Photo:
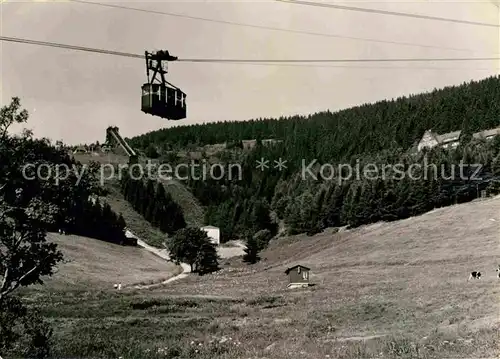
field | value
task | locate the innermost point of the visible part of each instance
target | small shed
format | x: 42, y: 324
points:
x: 298, y: 276
x: 213, y: 233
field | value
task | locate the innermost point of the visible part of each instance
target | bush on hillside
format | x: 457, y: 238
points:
x: 252, y: 249
x: 262, y: 238
x: 192, y: 246
x: 152, y: 152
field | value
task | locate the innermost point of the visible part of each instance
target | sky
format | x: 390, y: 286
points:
x: 74, y: 96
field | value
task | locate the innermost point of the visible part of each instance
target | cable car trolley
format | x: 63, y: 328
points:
x: 159, y: 97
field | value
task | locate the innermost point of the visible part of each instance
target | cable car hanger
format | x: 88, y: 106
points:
x: 159, y: 56
x: 159, y: 97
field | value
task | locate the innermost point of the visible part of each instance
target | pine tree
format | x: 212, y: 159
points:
x: 150, y: 201
x: 136, y: 194
x: 129, y: 189
x: 166, y: 215
x: 251, y: 251
x: 96, y: 228
x: 349, y: 210
x: 174, y: 218
x: 107, y: 220
x: 207, y: 260
x: 260, y: 217
x: 125, y: 185
x: 121, y: 224
x: 333, y: 207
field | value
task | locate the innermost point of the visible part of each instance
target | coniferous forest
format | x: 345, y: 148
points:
x: 96, y: 220
x: 379, y: 135
x: 153, y: 203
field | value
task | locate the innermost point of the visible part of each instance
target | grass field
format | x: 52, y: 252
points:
x: 192, y: 210
x: 91, y: 264
x: 389, y: 290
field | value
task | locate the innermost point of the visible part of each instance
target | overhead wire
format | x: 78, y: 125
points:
x: 272, y: 28
x: 385, y: 12
x: 365, y: 67
x: 274, y: 62
x: 69, y: 47
x: 341, y: 60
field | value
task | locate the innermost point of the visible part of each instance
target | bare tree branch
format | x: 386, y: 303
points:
x: 4, y: 282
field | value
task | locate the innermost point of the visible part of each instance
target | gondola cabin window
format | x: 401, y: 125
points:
x: 170, y: 96
x: 179, y: 99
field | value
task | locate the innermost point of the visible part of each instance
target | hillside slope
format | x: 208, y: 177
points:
x: 192, y: 210
x: 90, y: 263
x: 135, y: 221
x: 405, y: 276
x: 389, y: 290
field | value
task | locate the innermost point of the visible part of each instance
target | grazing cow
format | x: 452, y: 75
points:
x: 475, y: 275
x: 118, y: 286
x: 498, y: 271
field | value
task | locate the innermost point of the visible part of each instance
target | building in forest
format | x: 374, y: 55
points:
x: 487, y: 134
x: 431, y: 139
x: 213, y: 233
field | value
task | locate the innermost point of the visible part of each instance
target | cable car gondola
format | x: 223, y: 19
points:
x: 159, y: 97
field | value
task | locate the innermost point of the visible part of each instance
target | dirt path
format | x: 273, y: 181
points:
x: 231, y: 249
x: 224, y: 252
x: 162, y: 253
